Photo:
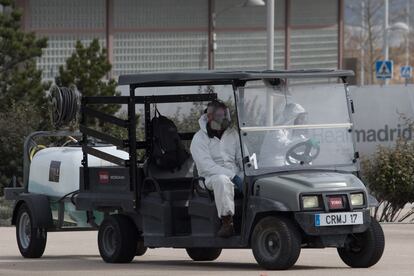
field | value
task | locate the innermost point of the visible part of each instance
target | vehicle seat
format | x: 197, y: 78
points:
x: 203, y: 211
x: 165, y: 198
x: 201, y: 190
x: 179, y: 179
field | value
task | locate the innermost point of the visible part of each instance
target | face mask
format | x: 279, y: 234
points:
x: 300, y: 119
x: 215, y: 125
x: 219, y: 119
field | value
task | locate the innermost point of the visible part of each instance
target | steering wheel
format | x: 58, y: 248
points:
x: 303, y: 153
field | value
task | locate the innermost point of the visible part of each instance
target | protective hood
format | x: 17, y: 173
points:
x: 203, y: 122
x: 216, y: 156
x: 290, y: 113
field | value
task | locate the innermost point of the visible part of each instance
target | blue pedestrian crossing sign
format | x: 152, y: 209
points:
x: 406, y: 72
x: 383, y: 69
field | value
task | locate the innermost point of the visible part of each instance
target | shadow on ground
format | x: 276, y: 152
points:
x: 95, y: 263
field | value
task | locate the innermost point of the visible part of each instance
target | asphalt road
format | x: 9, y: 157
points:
x: 77, y: 254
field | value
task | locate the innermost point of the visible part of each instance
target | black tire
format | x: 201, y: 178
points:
x: 203, y: 254
x: 276, y: 243
x: 365, y: 249
x: 141, y: 248
x: 31, y: 240
x: 117, y: 239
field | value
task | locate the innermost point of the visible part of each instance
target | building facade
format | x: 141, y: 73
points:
x: 165, y: 35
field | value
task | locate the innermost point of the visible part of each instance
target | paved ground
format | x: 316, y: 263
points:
x: 77, y: 254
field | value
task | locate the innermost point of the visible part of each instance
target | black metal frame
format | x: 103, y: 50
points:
x: 130, y: 123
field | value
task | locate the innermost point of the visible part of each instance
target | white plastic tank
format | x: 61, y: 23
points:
x: 54, y: 171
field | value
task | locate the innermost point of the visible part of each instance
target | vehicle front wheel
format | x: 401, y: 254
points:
x: 117, y: 239
x: 203, y: 254
x: 31, y: 240
x: 276, y: 243
x: 365, y: 249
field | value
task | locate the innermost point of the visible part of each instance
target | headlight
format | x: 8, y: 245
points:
x: 357, y: 199
x: 310, y: 202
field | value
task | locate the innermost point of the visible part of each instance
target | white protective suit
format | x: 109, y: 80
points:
x: 276, y: 143
x: 218, y: 161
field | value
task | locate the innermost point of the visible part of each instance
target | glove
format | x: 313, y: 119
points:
x: 315, y: 143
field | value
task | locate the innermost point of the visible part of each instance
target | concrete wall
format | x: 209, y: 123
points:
x: 379, y: 115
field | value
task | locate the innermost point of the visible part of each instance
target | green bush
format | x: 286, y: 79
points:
x: 389, y: 174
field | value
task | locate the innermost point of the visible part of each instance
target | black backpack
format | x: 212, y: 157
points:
x: 167, y: 150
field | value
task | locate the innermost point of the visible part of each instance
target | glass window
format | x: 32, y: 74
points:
x: 295, y: 127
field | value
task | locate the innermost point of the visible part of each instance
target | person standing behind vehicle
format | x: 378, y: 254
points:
x: 216, y: 152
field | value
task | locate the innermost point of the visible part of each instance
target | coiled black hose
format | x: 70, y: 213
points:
x: 65, y: 103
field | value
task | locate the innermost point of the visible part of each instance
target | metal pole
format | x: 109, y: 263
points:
x: 341, y: 7
x: 407, y: 40
x: 132, y: 139
x: 109, y: 5
x: 407, y: 43
x: 287, y: 34
x: 386, y: 47
x: 211, y: 32
x: 362, y: 68
x: 270, y: 21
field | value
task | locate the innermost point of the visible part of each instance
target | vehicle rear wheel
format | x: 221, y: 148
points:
x: 141, y: 248
x: 203, y: 254
x: 31, y: 240
x: 365, y: 249
x: 117, y: 239
x: 276, y: 243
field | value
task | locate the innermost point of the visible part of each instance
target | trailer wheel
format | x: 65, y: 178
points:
x: 141, y: 248
x: 117, y: 239
x: 276, y: 243
x: 31, y: 240
x: 203, y: 254
x: 365, y: 249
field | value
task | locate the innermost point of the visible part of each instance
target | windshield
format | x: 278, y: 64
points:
x: 294, y: 128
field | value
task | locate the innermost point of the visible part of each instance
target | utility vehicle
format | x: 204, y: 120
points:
x: 301, y: 185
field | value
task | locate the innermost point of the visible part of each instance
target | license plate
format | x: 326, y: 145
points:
x: 335, y: 219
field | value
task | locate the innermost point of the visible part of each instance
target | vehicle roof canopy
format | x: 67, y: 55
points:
x: 223, y: 77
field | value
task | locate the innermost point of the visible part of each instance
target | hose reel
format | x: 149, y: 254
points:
x: 65, y: 105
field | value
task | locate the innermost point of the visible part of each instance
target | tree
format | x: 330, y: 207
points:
x: 365, y: 30
x: 367, y: 35
x: 15, y: 124
x: 86, y: 69
x: 20, y: 80
x: 22, y: 92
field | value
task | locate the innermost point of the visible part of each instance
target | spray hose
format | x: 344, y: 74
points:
x: 34, y: 150
x: 65, y: 104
